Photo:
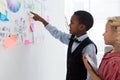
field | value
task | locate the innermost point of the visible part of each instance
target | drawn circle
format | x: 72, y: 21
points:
x: 14, y: 5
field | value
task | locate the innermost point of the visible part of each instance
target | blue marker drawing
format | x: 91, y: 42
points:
x: 3, y: 17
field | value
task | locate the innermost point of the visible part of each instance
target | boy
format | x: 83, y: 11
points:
x: 78, y: 43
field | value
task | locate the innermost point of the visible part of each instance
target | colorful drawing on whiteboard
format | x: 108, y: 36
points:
x: 28, y: 4
x: 4, y: 32
x: 14, y: 5
x: 3, y: 17
x: 27, y: 42
x: 23, y: 26
x: 10, y: 42
x: 3, y: 11
x: 20, y: 29
x: 32, y: 5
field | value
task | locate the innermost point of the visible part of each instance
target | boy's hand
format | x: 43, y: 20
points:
x: 36, y: 17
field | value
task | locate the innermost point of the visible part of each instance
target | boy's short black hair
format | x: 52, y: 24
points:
x: 85, y: 18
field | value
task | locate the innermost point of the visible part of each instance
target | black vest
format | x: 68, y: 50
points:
x: 75, y: 66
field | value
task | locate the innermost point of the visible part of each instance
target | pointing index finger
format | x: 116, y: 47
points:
x: 32, y: 12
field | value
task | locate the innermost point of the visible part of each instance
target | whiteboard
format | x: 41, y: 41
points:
x: 36, y: 55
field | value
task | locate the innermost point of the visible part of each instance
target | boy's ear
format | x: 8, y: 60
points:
x: 82, y: 27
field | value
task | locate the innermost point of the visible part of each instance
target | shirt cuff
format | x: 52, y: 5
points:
x: 47, y: 25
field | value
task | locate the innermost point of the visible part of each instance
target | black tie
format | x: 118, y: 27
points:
x: 75, y: 40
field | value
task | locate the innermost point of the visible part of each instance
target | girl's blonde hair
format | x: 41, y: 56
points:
x: 114, y: 22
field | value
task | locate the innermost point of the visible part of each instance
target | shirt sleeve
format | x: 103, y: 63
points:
x: 63, y: 37
x: 91, y: 51
x: 112, y: 71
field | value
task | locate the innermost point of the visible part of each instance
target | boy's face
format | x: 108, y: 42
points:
x: 75, y: 27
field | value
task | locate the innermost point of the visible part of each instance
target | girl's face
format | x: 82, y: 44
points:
x: 75, y: 26
x: 108, y: 35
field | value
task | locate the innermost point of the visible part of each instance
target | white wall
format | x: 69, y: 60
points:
x: 45, y: 60
x: 100, y: 9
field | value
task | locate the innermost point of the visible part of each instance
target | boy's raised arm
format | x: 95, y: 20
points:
x: 36, y: 17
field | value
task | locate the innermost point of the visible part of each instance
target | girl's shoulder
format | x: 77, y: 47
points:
x: 113, y: 55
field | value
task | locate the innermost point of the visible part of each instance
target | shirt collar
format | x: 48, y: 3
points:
x: 81, y: 38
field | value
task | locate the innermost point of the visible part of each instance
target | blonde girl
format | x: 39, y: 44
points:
x: 109, y: 68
